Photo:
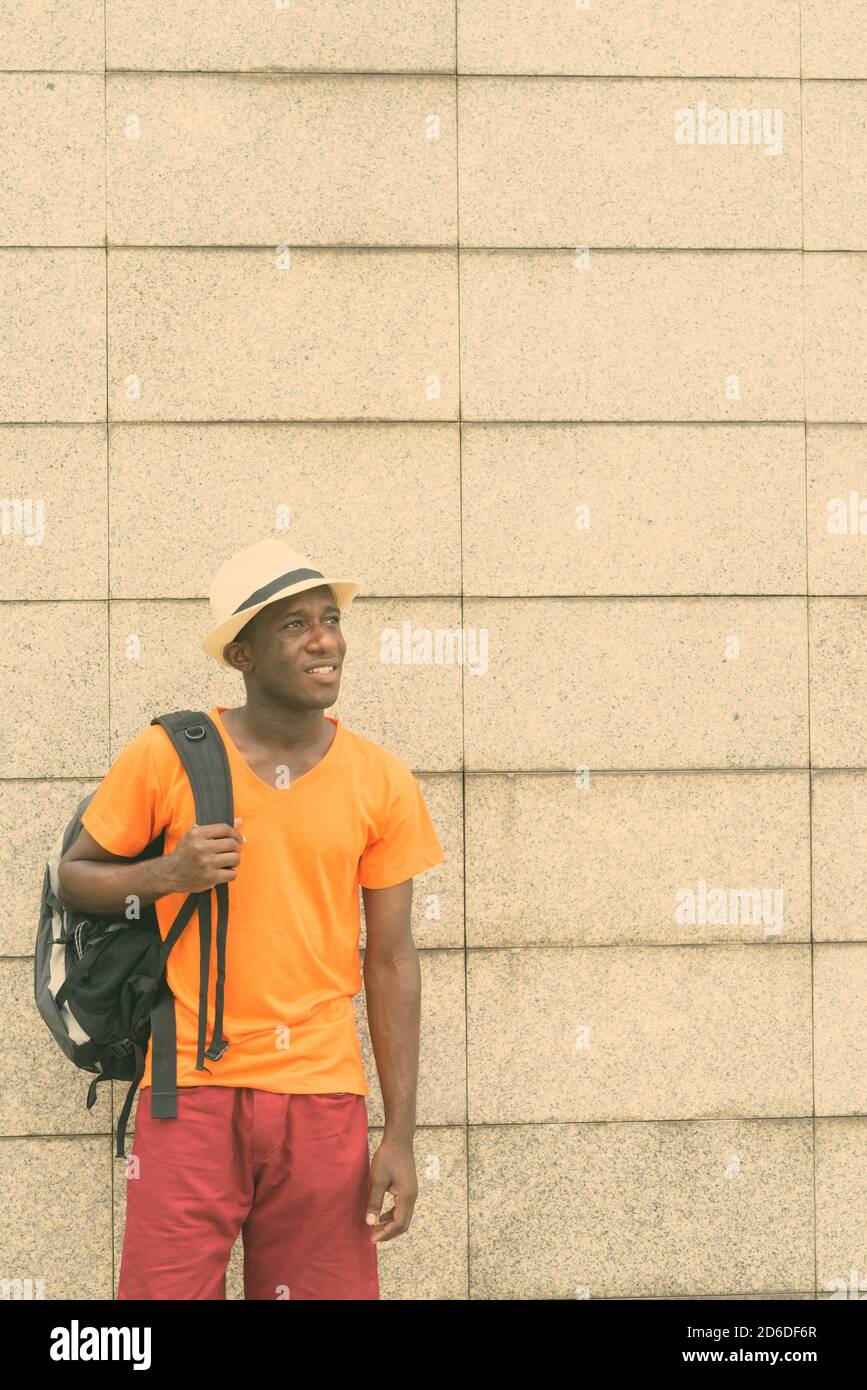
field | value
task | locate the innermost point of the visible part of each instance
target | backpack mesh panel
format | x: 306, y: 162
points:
x: 116, y: 994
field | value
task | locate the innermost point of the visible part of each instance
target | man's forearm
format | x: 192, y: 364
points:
x: 393, y: 993
x: 90, y: 885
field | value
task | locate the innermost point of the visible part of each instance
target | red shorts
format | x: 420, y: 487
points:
x: 290, y: 1172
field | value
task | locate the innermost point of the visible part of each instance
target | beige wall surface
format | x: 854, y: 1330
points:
x: 550, y: 324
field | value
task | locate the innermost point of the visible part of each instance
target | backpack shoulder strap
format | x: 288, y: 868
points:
x: 200, y: 748
x: 202, y: 752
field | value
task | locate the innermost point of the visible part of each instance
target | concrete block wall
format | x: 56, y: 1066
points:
x: 548, y: 323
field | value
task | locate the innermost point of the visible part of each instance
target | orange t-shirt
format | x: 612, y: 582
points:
x: 292, y: 958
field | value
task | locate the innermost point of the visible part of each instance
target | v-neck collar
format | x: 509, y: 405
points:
x: 239, y: 763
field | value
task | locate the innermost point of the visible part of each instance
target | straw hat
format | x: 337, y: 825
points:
x: 259, y: 575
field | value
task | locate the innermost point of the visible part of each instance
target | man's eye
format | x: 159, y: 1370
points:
x: 290, y: 622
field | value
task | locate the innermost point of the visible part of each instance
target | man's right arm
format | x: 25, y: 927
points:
x: 93, y: 880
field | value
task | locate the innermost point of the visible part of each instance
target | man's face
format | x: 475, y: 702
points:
x: 286, y: 641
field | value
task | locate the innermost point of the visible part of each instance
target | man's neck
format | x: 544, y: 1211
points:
x: 271, y: 726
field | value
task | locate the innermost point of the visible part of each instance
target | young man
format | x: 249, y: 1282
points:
x: 271, y: 1139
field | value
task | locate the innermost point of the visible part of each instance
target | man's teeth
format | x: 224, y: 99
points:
x: 320, y: 668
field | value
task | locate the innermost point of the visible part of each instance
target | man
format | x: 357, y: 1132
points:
x: 272, y: 1138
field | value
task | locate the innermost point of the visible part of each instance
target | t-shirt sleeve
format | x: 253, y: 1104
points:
x: 126, y: 811
x: 407, y: 843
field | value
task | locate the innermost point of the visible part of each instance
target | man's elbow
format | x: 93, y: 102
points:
x: 395, y: 960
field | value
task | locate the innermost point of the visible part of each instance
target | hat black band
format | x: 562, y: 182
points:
x: 273, y: 587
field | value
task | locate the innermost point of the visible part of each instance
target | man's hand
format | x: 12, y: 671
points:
x: 92, y: 879
x: 204, y: 856
x: 392, y: 1169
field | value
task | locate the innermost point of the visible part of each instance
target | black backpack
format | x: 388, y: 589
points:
x: 100, y: 981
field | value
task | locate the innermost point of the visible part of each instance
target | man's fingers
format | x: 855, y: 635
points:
x: 395, y: 1221
x: 382, y: 1229
x: 221, y: 830
x: 375, y: 1200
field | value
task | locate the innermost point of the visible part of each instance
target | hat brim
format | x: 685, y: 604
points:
x: 344, y: 591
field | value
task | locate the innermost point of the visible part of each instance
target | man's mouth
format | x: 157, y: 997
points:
x: 325, y: 672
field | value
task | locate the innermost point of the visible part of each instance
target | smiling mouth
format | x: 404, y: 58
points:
x: 322, y: 673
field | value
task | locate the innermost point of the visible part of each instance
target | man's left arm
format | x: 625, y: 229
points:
x: 392, y: 984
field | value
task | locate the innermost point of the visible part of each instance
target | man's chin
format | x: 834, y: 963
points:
x: 317, y: 699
